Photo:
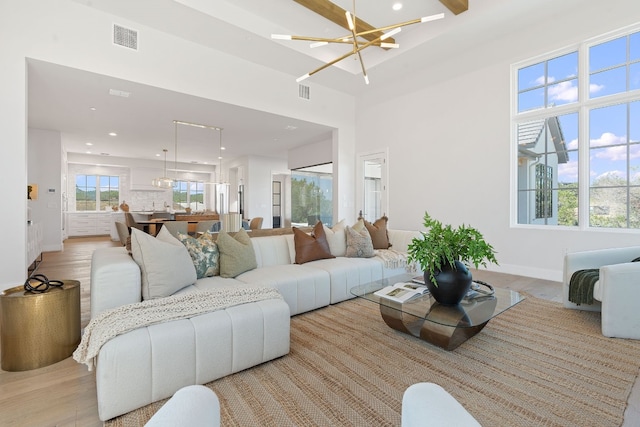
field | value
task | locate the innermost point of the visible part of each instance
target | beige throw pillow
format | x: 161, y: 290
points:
x: 166, y: 267
x: 359, y: 244
x: 236, y: 253
x: 337, y: 238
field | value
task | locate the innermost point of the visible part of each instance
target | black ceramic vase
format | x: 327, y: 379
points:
x: 452, y: 284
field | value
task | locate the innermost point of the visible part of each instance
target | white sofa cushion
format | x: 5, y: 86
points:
x: 302, y: 287
x: 345, y: 273
x: 165, y: 266
x: 273, y: 250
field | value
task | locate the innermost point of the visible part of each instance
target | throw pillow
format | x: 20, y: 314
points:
x: 165, y: 235
x: 337, y: 238
x: 359, y: 244
x: 204, y: 253
x: 311, y: 247
x: 378, y: 233
x: 359, y: 225
x: 166, y: 268
x: 236, y: 253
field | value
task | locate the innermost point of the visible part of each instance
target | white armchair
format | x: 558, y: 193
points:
x: 617, y: 290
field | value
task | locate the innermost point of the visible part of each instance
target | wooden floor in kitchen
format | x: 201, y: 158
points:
x: 64, y: 394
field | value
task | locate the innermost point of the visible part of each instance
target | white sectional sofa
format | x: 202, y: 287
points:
x: 152, y: 363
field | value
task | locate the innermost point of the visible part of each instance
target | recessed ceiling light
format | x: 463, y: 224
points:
x: 113, y: 134
x: 290, y: 127
x: 92, y: 108
x: 397, y: 6
x: 157, y: 154
x: 121, y: 93
x: 223, y: 148
x: 88, y: 152
x: 88, y: 143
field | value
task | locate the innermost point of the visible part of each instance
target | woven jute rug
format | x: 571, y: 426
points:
x: 537, y: 364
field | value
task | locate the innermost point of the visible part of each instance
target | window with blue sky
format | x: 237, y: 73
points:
x: 577, y: 113
x: 97, y: 192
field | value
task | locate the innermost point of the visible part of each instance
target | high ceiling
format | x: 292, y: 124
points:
x: 60, y: 98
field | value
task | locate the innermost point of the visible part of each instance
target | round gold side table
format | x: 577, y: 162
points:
x: 38, y: 329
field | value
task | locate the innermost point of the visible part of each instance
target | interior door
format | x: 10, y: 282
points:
x: 373, y: 184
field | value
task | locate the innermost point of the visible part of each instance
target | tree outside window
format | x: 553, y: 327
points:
x: 311, y: 197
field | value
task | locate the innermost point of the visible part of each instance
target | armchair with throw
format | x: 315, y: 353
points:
x: 615, y: 292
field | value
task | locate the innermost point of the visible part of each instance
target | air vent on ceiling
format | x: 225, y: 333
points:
x: 303, y: 92
x: 125, y: 37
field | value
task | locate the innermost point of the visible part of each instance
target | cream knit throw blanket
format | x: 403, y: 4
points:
x: 392, y: 258
x: 120, y: 320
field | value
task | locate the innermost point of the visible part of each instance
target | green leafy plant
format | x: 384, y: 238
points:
x: 442, y: 244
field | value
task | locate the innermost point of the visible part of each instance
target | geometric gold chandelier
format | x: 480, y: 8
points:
x: 355, y: 38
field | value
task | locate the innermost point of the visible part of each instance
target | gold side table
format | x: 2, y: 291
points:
x: 39, y: 329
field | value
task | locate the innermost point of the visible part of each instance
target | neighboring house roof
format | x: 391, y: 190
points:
x: 529, y: 134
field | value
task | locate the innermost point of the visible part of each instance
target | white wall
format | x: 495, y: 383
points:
x: 258, y: 201
x: 450, y: 148
x: 45, y: 170
x: 74, y: 35
x: 314, y: 154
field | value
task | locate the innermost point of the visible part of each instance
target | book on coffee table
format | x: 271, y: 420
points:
x: 402, y: 291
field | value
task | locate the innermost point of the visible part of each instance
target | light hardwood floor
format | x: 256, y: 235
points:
x: 64, y: 394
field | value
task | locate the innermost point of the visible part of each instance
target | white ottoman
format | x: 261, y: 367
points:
x: 428, y: 404
x: 193, y: 406
x: 153, y: 362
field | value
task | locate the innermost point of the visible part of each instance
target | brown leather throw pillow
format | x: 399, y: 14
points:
x: 311, y: 247
x: 378, y: 233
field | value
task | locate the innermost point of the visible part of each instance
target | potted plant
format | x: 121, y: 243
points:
x: 444, y: 254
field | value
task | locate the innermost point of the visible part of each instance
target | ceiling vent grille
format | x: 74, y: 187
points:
x: 303, y: 92
x: 125, y: 37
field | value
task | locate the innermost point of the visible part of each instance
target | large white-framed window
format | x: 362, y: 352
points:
x: 312, y: 195
x: 97, y: 192
x: 576, y: 135
x: 188, y: 194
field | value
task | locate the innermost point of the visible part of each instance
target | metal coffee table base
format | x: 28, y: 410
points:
x: 447, y: 337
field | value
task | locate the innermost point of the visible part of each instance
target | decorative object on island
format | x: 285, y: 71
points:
x: 124, y: 206
x: 361, y: 36
x: 444, y: 254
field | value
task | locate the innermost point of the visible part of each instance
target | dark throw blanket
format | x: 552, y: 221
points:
x: 581, y: 285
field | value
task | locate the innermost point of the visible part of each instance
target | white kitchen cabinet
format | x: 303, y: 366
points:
x: 141, y: 178
x: 89, y: 223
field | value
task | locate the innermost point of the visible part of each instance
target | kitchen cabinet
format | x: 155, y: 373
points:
x: 89, y: 223
x: 141, y: 178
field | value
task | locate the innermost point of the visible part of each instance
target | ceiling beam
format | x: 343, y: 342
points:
x: 456, y: 6
x: 336, y: 14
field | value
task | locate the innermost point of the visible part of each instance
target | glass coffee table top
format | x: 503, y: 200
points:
x: 442, y: 325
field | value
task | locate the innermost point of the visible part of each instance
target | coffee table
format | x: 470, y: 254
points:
x: 442, y: 325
